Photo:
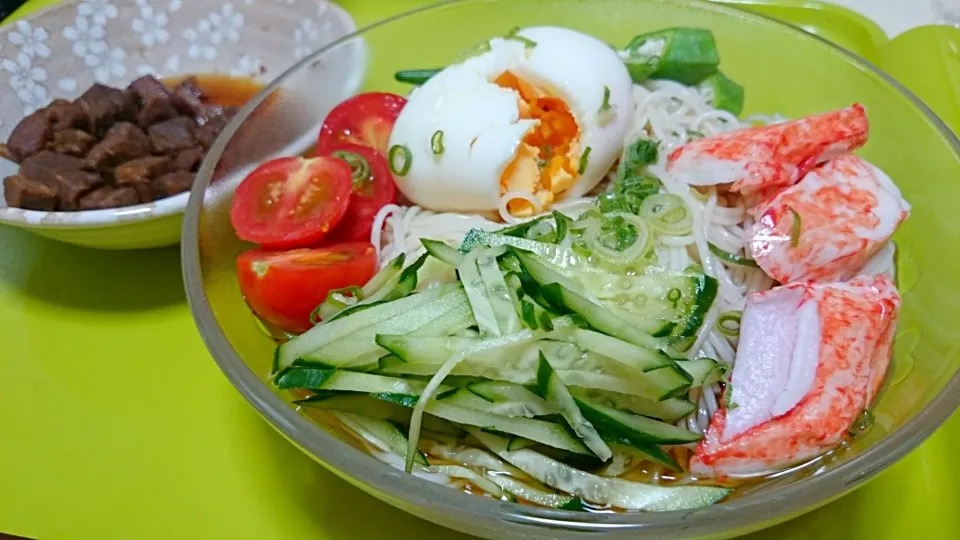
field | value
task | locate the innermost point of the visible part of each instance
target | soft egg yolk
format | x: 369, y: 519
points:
x: 547, y: 161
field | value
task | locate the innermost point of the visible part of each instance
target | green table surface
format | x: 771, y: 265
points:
x: 116, y: 424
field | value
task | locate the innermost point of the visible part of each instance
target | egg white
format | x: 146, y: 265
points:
x: 481, y: 125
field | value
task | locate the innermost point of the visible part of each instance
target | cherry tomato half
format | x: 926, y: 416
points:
x: 291, y: 202
x: 373, y: 188
x: 284, y: 287
x: 365, y: 119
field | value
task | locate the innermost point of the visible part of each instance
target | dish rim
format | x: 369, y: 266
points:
x: 747, y: 513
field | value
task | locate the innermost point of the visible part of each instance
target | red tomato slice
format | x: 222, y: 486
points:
x: 291, y: 202
x: 373, y: 187
x: 365, y: 119
x: 284, y: 287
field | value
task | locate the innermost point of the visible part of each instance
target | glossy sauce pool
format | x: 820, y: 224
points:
x: 222, y: 90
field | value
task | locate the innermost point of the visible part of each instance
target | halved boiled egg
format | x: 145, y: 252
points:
x: 538, y: 118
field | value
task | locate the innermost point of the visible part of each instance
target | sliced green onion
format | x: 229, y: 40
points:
x: 610, y: 201
x: 795, y: 228
x: 605, y: 106
x: 629, y: 193
x: 625, y: 227
x: 514, y: 36
x: 359, y: 166
x: 730, y: 258
x: 336, y: 299
x: 674, y: 215
x: 402, y: 152
x: 584, y: 160
x: 728, y: 398
x: 667, y: 214
x: 673, y: 296
x: 436, y: 142
x: 694, y: 135
x: 728, y: 323
x: 636, y: 157
x: 605, y: 114
x: 563, y: 225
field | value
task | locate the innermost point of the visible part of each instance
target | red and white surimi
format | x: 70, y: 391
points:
x: 829, y: 225
x: 811, y: 357
x: 759, y: 160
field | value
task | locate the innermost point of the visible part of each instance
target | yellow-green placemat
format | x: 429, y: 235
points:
x: 116, y: 424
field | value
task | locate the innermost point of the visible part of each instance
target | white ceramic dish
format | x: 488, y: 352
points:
x: 60, y: 52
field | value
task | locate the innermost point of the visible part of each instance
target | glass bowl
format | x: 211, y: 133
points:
x: 784, y: 71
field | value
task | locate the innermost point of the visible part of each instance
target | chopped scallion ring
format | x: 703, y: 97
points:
x: 584, y: 160
x: 674, y: 296
x: 338, y: 299
x: 618, y: 238
x: 402, y: 152
x: 667, y: 214
x: 674, y: 215
x: 730, y: 258
x: 795, y: 228
x: 436, y: 142
x: 728, y: 323
x: 359, y: 166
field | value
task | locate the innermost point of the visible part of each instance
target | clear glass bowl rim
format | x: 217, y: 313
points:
x: 744, y: 513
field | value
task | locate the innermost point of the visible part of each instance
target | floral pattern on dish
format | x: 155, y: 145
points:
x: 62, y: 52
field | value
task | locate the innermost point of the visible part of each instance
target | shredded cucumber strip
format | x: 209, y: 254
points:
x: 668, y: 410
x: 622, y: 351
x: 363, y: 342
x: 457, y: 471
x: 365, y: 405
x: 483, y: 311
x: 498, y: 294
x: 351, y: 381
x: 606, y: 491
x: 537, y: 496
x: 381, y: 433
x: 442, y: 251
x: 471, y: 457
x: 435, y: 382
x: 326, y: 333
x: 619, y: 383
x: 541, y: 431
x: 455, y: 320
x: 511, y: 396
x: 555, y: 392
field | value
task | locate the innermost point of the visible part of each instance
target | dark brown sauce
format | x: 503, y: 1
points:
x: 222, y: 90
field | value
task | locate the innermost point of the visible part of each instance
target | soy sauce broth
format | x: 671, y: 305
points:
x: 220, y: 89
